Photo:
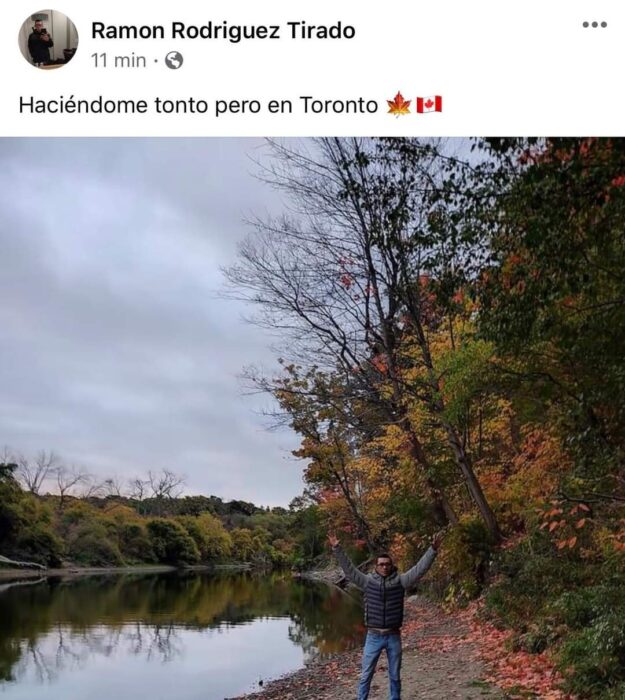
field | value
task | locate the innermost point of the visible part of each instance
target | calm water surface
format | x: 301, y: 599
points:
x: 175, y: 635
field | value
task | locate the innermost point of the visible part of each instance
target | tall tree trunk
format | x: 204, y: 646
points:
x: 461, y: 458
x: 464, y: 464
x: 442, y: 510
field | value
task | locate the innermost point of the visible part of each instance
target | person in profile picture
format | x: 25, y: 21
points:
x: 40, y: 43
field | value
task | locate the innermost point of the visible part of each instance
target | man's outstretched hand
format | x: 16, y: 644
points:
x: 438, y: 539
x: 333, y: 540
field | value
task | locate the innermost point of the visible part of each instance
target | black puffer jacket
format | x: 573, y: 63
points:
x: 384, y: 595
x: 38, y: 48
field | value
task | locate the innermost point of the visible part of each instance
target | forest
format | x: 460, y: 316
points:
x: 455, y: 323
x: 78, y: 527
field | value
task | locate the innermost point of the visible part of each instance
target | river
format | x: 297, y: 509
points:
x: 188, y: 636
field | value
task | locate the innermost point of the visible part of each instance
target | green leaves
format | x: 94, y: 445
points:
x: 465, y: 372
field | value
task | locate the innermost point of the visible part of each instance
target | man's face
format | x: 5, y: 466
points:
x: 384, y: 565
x: 38, y: 26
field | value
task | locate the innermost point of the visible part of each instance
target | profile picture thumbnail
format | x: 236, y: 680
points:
x: 48, y: 39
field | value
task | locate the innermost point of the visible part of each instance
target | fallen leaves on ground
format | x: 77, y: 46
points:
x: 508, y: 669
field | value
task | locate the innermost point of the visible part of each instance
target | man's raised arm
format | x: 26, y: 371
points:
x: 351, y: 572
x: 410, y: 577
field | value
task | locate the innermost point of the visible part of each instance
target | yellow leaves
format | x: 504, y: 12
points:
x: 405, y: 549
x: 121, y: 513
x: 393, y: 442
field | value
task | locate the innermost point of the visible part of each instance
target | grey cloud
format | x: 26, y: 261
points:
x: 116, y: 350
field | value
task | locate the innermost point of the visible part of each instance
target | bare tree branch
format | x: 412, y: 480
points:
x: 34, y: 473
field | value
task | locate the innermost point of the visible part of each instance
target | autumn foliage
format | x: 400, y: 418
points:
x: 456, y: 323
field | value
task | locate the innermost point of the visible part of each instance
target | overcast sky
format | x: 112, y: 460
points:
x: 116, y: 351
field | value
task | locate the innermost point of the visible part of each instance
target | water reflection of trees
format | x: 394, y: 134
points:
x: 59, y: 624
x: 63, y: 650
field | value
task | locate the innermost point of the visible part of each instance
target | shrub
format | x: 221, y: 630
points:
x: 593, y: 660
x: 464, y: 561
x: 77, y: 512
x: 171, y: 543
x: 528, y: 581
x: 135, y: 542
x: 550, y: 598
x: 35, y: 539
x: 242, y: 544
x: 210, y: 536
x: 593, y: 657
x: 90, y: 546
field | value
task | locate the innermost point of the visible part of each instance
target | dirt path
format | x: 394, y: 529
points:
x: 439, y: 663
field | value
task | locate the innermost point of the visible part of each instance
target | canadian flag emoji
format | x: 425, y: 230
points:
x: 433, y: 103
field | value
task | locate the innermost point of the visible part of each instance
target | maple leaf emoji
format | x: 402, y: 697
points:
x: 398, y: 105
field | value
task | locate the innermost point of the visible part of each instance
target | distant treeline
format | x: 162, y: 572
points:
x: 117, y: 530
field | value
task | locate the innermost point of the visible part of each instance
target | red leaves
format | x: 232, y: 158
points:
x: 554, y: 511
x: 534, y: 673
x: 566, y: 522
x: 347, y: 280
x: 380, y: 363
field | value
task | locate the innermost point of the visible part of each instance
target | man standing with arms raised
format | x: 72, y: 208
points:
x: 384, y: 591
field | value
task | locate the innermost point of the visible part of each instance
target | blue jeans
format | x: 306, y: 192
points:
x: 374, y: 645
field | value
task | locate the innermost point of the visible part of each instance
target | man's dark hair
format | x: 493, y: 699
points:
x: 383, y: 555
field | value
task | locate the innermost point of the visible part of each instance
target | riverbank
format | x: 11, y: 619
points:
x: 439, y: 663
x: 18, y: 574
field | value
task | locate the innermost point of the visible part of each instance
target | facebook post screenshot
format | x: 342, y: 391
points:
x: 312, y: 351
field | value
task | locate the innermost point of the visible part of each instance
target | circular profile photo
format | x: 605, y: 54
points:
x: 48, y: 39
